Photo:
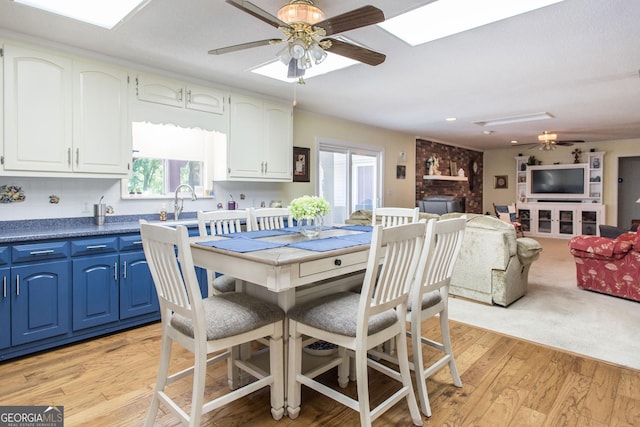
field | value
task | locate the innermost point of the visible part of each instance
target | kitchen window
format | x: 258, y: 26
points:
x: 167, y: 155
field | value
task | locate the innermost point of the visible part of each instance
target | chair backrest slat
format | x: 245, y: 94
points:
x: 387, y: 285
x: 390, y: 216
x: 438, y: 260
x: 270, y: 218
x: 173, y: 274
x: 222, y: 222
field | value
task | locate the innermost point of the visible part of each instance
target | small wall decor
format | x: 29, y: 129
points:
x: 11, y: 194
x: 53, y: 199
x: 500, y: 181
x: 401, y: 172
x: 301, y: 164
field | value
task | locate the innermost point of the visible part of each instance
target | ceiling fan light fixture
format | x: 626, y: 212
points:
x: 297, y: 49
x: 284, y: 55
x: 302, y: 11
x: 547, y: 137
x: 317, y: 53
x: 304, y: 63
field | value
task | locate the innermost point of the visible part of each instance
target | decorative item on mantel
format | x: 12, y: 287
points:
x: 308, y: 212
x: 433, y: 166
x: 576, y: 155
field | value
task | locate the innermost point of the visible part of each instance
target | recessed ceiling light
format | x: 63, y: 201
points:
x: 440, y: 19
x: 105, y: 14
x: 277, y: 70
x: 451, y: 119
x: 487, y: 132
x: 513, y: 141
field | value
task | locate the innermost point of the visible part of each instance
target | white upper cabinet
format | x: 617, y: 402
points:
x: 37, y: 111
x: 260, y: 144
x: 179, y: 94
x: 64, y: 117
x: 101, y: 125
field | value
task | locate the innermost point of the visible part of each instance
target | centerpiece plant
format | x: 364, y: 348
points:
x: 308, y: 212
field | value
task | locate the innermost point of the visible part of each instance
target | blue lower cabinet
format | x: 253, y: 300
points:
x: 137, y: 291
x: 95, y: 291
x: 40, y: 301
x: 5, y: 308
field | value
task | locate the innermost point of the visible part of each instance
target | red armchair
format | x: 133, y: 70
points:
x: 609, y: 266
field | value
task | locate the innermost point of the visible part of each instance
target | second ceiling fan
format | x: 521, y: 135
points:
x: 549, y: 141
x: 304, y: 26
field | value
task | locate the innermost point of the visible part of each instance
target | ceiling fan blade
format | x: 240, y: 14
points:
x: 570, y: 141
x: 257, y: 12
x: 358, y: 53
x: 357, y: 18
x: 242, y: 46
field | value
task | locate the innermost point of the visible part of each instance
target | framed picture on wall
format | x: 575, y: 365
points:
x: 500, y: 181
x: 401, y: 172
x: 301, y: 164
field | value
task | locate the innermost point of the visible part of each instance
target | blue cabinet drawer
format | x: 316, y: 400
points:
x: 131, y: 243
x: 4, y: 255
x: 94, y: 246
x: 40, y: 251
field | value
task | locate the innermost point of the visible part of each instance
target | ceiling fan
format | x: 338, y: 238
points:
x: 304, y: 27
x: 549, y: 141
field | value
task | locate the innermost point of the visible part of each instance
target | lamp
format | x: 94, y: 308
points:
x: 302, y: 50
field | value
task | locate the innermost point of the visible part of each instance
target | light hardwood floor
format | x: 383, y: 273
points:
x: 506, y: 382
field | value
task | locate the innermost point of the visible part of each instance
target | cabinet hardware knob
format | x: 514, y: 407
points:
x: 338, y: 262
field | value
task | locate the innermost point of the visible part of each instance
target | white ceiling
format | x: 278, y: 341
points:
x: 578, y: 60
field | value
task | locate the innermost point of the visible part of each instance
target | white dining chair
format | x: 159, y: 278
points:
x: 429, y: 297
x: 390, y: 216
x: 220, y: 222
x: 204, y: 326
x: 270, y: 218
x: 358, y: 322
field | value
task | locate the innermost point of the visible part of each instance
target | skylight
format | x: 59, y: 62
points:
x: 277, y: 70
x: 443, y: 18
x: 105, y: 14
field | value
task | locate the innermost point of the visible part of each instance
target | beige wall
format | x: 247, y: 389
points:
x: 308, y: 127
x: 502, y: 162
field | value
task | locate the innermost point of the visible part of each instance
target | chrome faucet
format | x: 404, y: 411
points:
x: 178, y: 203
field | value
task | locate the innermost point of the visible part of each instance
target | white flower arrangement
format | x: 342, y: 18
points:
x: 308, y: 207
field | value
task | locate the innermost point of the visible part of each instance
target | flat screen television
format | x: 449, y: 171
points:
x: 558, y: 182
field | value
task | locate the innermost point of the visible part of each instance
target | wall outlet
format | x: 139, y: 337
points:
x: 85, y: 207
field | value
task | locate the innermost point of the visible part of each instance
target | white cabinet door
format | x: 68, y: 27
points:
x: 278, y: 142
x: 160, y: 90
x: 101, y: 128
x: 37, y: 110
x: 204, y: 99
x: 260, y: 145
x: 246, y: 147
x: 178, y: 94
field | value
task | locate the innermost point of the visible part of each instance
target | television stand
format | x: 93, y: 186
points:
x: 560, y: 219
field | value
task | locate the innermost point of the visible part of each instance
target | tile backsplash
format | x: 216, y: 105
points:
x: 76, y: 197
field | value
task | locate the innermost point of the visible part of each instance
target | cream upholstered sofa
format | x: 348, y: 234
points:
x: 493, y: 265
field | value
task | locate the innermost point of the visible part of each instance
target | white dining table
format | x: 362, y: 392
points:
x: 287, y: 274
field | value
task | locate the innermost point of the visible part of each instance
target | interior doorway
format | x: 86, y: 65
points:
x: 628, y: 190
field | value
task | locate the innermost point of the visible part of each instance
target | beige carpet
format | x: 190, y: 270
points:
x: 556, y: 313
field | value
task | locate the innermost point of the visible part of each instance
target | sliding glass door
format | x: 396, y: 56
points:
x: 349, y: 178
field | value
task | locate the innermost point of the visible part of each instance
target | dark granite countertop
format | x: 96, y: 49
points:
x: 59, y: 228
